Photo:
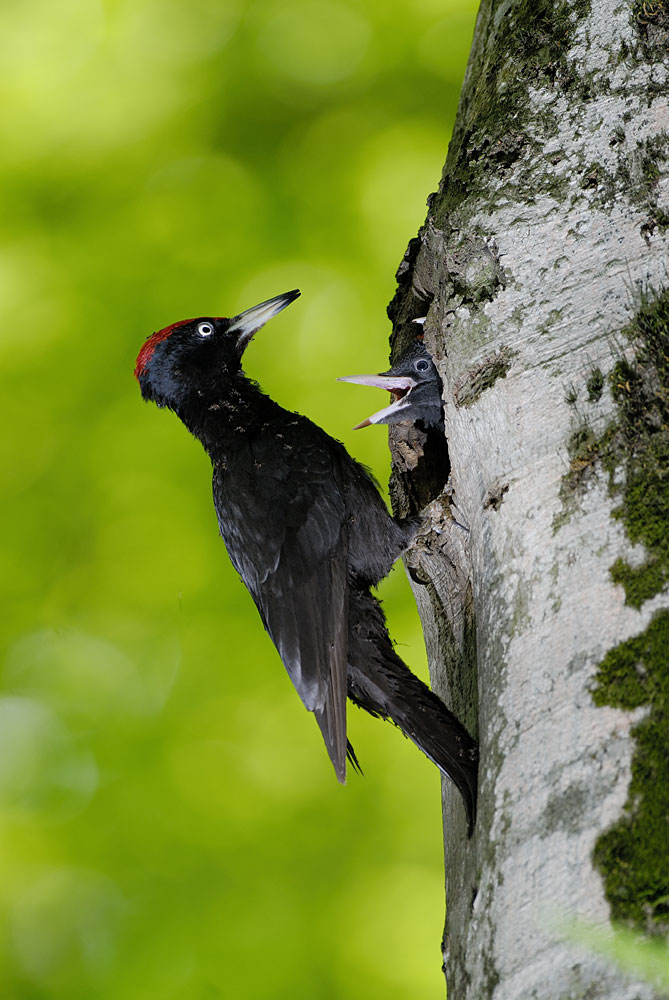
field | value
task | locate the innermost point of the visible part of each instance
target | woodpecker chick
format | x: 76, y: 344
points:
x: 415, y: 386
x: 308, y: 532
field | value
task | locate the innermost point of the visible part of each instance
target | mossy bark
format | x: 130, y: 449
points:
x: 542, y: 271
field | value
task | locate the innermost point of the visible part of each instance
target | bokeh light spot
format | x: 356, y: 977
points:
x: 398, y: 167
x: 443, y: 47
x: 32, y: 42
x: 169, y: 31
x: 41, y: 766
x: 317, y: 43
x: 64, y: 923
x: 78, y: 675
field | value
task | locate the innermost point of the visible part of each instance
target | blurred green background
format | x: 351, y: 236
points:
x: 170, y: 826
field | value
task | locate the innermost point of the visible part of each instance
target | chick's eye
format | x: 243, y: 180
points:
x: 422, y: 366
x: 205, y: 329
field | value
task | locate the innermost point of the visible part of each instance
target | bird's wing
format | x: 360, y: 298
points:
x: 281, y: 513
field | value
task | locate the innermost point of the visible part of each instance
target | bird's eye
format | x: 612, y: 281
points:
x: 422, y: 366
x: 205, y: 329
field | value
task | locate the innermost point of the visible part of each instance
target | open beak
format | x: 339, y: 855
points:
x: 246, y: 324
x: 399, y: 385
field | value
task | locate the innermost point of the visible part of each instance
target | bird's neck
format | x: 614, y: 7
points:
x: 223, y: 416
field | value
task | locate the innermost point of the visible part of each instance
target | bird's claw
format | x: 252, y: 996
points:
x: 436, y: 517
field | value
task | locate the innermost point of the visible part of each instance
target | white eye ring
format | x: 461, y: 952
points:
x: 421, y: 366
x: 205, y: 329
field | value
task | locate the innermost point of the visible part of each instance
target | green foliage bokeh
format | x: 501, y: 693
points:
x: 170, y: 826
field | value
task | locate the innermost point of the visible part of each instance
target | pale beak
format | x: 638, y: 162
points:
x: 399, y: 385
x: 252, y: 319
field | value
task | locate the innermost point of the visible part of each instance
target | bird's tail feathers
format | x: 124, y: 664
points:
x: 382, y: 684
x: 353, y: 760
x: 334, y: 736
x: 445, y: 741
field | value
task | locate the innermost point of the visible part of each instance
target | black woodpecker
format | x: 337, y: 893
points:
x: 309, y: 534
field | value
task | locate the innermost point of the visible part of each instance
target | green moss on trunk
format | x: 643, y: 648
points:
x: 638, y: 443
x: 651, y: 22
x: 595, y: 385
x: 641, y: 390
x: 633, y: 855
x: 498, y: 125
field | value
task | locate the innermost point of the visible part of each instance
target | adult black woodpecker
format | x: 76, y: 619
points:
x: 309, y: 534
x: 415, y: 386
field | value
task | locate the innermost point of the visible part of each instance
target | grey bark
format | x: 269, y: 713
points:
x: 552, y: 211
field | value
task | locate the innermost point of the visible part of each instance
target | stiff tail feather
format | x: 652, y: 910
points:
x: 381, y: 683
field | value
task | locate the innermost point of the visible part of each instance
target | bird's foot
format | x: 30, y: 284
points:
x: 438, y: 516
x: 435, y: 537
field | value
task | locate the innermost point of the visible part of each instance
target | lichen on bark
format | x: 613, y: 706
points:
x: 636, y: 177
x: 483, y: 376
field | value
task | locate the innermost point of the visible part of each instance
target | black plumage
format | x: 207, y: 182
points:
x: 309, y: 534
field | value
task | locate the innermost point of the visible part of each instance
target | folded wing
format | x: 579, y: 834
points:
x: 285, y: 530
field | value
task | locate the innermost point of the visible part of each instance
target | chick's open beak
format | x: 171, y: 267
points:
x: 399, y: 385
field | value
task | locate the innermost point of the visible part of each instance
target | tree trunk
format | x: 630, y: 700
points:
x: 542, y: 270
